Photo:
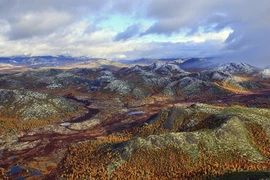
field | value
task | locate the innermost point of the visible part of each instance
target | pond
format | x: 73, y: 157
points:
x: 14, y: 170
x: 17, y: 169
x: 65, y: 124
x: 136, y: 112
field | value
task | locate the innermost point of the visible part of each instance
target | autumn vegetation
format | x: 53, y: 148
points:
x: 227, y: 86
x: 3, y: 175
x: 173, y: 163
x: 151, y: 129
x: 9, y: 124
x: 90, y: 161
x: 259, y: 138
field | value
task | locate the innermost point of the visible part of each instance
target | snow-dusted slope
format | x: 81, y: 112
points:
x: 166, y: 68
x: 235, y: 68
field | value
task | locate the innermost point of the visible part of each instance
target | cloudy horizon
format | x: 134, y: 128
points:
x: 226, y: 30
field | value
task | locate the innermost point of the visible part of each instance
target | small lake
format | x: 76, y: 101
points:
x: 17, y: 169
x: 14, y: 170
x: 65, y: 124
x: 136, y: 112
x: 19, y: 178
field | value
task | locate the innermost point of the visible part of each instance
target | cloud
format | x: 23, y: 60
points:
x: 154, y: 28
x: 248, y: 45
x: 172, y: 15
x: 33, y: 24
x: 33, y: 18
x: 247, y: 19
x: 128, y: 33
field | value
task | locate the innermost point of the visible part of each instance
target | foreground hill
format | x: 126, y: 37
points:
x: 200, y: 141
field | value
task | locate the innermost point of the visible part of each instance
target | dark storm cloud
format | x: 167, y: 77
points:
x: 249, y: 45
x: 175, y: 50
x: 128, y: 33
x: 172, y: 15
x: 249, y: 21
x: 126, y: 7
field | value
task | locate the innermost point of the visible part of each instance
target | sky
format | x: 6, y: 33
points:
x: 226, y: 30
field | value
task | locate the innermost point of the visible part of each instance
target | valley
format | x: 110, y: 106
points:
x: 114, y: 122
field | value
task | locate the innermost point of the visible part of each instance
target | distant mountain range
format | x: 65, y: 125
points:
x: 147, y: 61
x: 23, y: 63
x: 197, y: 64
x: 43, y: 61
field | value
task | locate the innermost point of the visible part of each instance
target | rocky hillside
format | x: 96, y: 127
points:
x: 237, y: 68
x: 23, y: 109
x: 29, y: 105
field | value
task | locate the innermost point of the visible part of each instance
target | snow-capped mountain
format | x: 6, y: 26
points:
x: 237, y: 68
x: 158, y: 68
x: 166, y: 68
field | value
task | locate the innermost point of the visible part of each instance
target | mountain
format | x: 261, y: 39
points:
x: 143, y: 61
x: 11, y: 68
x: 186, y: 63
x: 138, y: 82
x: 57, y: 61
x: 166, y: 68
x: 35, y: 61
x: 197, y: 64
x: 237, y: 68
x: 148, y: 61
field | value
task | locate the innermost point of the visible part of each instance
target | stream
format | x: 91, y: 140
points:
x: 90, y: 111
